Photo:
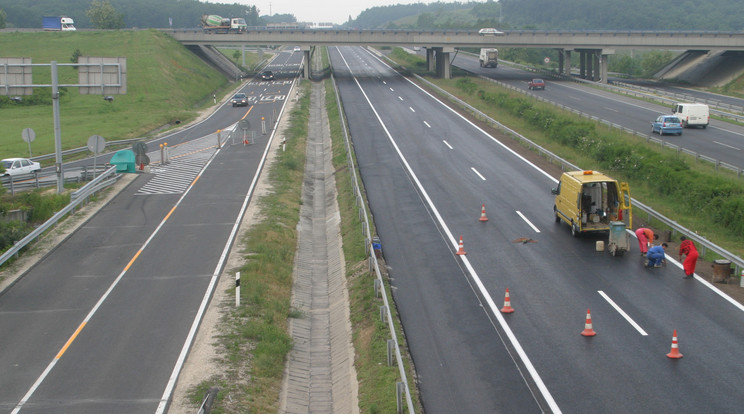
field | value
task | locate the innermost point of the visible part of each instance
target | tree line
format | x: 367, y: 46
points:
x: 159, y: 14
x: 711, y: 15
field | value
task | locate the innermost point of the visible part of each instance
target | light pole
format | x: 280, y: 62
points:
x: 95, y: 74
x: 57, y: 133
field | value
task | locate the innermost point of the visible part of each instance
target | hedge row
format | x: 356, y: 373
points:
x: 707, y: 197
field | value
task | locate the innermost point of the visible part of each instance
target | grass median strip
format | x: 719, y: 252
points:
x: 254, y: 341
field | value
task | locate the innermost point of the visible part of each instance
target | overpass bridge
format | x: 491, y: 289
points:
x: 593, y: 47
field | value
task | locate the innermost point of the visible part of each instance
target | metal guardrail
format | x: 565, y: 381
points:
x: 719, y: 108
x: 78, y: 197
x: 676, y: 227
x: 627, y: 89
x: 379, y: 283
x: 664, y: 144
x: 36, y: 180
x: 83, y: 149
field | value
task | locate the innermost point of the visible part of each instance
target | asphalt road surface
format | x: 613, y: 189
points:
x: 102, y: 323
x: 427, y: 171
x: 720, y: 140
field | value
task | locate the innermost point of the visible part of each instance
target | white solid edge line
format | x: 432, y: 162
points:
x: 110, y: 289
x: 705, y: 283
x: 491, y: 304
x: 622, y: 313
x: 165, y: 399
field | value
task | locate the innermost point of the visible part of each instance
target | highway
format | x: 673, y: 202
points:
x: 427, y: 171
x: 721, y: 140
x: 103, y: 322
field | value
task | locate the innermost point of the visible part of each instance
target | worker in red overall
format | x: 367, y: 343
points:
x: 687, y: 248
x: 645, y: 239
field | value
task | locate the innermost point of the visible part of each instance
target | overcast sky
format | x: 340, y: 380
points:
x: 323, y: 11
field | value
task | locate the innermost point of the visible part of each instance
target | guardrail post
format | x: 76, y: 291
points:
x: 377, y: 288
x: 399, y: 390
x: 390, y: 347
x: 383, y: 313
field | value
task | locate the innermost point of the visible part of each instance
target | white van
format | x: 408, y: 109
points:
x: 692, y: 114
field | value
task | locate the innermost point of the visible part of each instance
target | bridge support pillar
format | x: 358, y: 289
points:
x: 306, y: 68
x: 444, y: 69
x: 431, y: 59
x: 564, y: 62
x: 603, y: 58
x: 594, y: 64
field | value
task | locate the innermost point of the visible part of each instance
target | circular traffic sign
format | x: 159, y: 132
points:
x: 139, y: 147
x: 96, y: 144
x: 28, y: 135
x: 546, y: 60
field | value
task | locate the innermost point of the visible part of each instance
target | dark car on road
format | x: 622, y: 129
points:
x: 536, y: 84
x: 267, y: 75
x: 240, y: 99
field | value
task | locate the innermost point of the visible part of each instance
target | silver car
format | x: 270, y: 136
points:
x: 18, y: 166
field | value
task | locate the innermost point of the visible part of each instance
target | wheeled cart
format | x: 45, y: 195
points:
x: 619, y: 242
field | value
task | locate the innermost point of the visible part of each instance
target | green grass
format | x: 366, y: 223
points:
x: 165, y: 84
x: 252, y: 59
x: 370, y: 334
x: 255, y: 341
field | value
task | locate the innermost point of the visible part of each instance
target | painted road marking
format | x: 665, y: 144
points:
x: 528, y: 222
x: 622, y: 313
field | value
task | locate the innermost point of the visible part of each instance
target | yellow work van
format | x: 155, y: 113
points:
x: 589, y: 200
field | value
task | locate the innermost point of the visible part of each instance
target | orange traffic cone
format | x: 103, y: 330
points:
x: 461, y: 249
x: 674, y: 353
x: 588, y: 331
x: 507, y: 303
x: 483, y: 214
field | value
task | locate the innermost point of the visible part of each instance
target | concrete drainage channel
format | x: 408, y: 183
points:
x: 320, y: 375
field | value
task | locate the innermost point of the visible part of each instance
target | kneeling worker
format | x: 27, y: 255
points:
x: 656, y: 256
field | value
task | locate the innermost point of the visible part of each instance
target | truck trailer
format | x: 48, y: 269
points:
x: 58, y: 23
x: 212, y: 23
x: 489, y: 58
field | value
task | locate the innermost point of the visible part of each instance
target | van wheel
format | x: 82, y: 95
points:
x: 705, y: 126
x: 684, y: 124
x: 574, y: 230
x: 557, y: 217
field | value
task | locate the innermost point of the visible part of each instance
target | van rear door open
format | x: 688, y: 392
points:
x: 625, y: 207
x: 588, y: 201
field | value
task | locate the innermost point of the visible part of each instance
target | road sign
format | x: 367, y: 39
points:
x: 139, y: 148
x: 96, y: 144
x: 546, y: 60
x: 28, y: 135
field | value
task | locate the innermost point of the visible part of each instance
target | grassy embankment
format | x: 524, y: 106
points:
x: 165, y: 83
x: 693, y: 193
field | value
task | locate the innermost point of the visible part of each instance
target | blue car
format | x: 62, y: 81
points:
x: 667, y: 124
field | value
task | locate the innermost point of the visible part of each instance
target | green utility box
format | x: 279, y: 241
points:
x: 124, y: 161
